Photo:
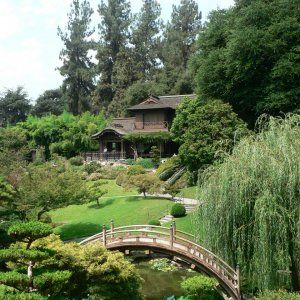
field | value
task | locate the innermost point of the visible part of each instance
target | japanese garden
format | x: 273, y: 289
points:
x: 166, y: 163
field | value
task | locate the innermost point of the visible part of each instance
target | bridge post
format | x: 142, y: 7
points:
x: 174, y: 229
x: 171, y: 235
x: 112, y: 227
x: 104, y: 235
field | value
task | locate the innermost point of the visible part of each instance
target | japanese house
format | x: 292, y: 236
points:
x: 148, y: 125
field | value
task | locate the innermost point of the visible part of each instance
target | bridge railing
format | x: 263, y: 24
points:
x: 182, y: 241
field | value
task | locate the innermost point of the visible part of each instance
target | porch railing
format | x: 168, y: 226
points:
x: 107, y: 156
x: 151, y: 125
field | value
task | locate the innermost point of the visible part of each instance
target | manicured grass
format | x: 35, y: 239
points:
x: 188, y: 192
x: 87, y: 219
x: 115, y: 190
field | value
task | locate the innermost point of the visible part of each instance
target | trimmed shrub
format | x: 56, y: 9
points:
x: 154, y: 223
x: 92, y: 167
x: 94, y: 176
x: 76, y: 161
x: 135, y: 170
x: 121, y: 178
x: 146, y: 163
x: 200, y: 286
x: 168, y: 168
x: 178, y: 210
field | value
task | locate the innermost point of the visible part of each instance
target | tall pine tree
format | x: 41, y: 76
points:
x: 114, y: 31
x: 146, y: 39
x: 77, y: 68
x: 179, y: 40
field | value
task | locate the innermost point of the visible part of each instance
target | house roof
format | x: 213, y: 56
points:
x: 120, y: 126
x: 160, y: 102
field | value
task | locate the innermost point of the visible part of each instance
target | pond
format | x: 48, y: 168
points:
x: 158, y: 285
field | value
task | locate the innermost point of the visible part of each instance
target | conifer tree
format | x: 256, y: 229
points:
x: 114, y: 31
x: 179, y: 41
x: 145, y: 37
x: 77, y: 68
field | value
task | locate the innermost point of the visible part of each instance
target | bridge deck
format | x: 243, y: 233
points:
x: 172, y: 241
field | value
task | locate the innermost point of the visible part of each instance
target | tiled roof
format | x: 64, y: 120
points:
x: 161, y: 102
x: 119, y: 125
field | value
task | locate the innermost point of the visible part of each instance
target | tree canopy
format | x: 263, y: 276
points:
x: 77, y: 68
x: 248, y: 56
x: 14, y: 106
x: 251, y: 206
x: 205, y: 131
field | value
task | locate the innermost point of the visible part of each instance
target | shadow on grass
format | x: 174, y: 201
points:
x: 77, y: 230
x: 102, y: 203
x: 132, y: 199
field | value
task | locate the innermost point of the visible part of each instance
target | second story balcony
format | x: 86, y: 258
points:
x: 157, y: 125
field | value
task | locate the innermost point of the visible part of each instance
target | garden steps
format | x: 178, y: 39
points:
x: 165, y: 219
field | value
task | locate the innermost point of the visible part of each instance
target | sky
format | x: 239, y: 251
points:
x: 29, y: 45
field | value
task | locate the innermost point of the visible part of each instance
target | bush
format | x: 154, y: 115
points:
x: 146, y: 163
x: 200, y: 286
x: 135, y: 170
x: 278, y: 295
x: 94, y: 176
x: 154, y: 223
x: 121, y: 179
x: 168, y: 168
x: 91, y: 167
x: 178, y: 210
x: 155, y: 156
x: 76, y: 161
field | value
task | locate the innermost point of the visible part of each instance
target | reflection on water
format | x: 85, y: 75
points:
x: 160, y: 285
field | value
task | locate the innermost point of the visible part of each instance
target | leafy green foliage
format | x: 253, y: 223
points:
x: 114, y: 29
x: 135, y: 170
x: 248, y: 56
x: 148, y: 137
x: 206, y: 131
x: 144, y: 183
x: 154, y: 222
x: 168, y: 167
x: 29, y: 231
x: 251, y: 211
x: 14, y: 106
x: 77, y: 68
x: 155, y: 155
x: 172, y: 189
x: 14, y: 149
x: 18, y: 256
x: 101, y: 273
x: 200, y: 286
x: 66, y: 135
x: 76, y: 161
x: 50, y: 102
x: 277, y: 295
x: 178, y: 210
x: 92, y: 167
x: 49, y: 186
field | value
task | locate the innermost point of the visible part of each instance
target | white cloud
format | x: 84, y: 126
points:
x: 9, y: 22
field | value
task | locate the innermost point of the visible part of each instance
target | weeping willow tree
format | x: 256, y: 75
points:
x: 252, y: 202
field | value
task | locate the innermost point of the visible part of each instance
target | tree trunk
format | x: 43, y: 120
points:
x: 29, y: 274
x: 144, y: 193
x: 40, y: 213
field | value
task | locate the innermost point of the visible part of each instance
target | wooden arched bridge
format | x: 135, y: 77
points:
x: 172, y: 242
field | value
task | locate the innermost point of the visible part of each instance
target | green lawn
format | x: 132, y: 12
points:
x: 188, y: 192
x: 124, y: 207
x: 87, y: 219
x: 115, y: 190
